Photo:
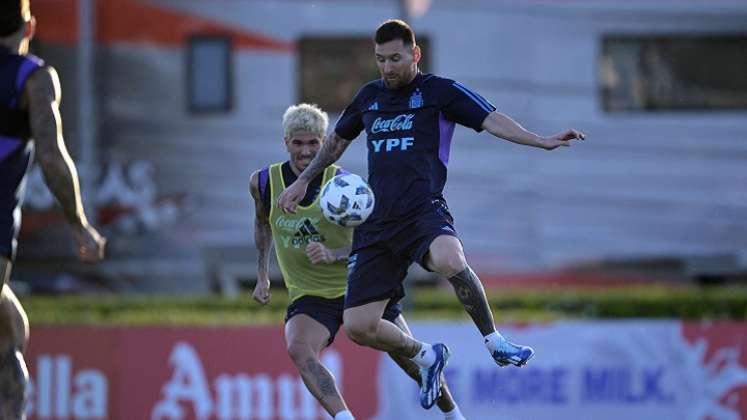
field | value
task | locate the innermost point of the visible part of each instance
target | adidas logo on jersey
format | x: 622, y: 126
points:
x: 307, y: 228
x: 305, y: 233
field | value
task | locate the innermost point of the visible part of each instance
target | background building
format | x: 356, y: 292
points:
x: 184, y: 101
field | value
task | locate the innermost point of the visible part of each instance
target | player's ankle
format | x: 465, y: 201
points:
x: 425, y: 357
x: 492, y: 340
x: 344, y: 415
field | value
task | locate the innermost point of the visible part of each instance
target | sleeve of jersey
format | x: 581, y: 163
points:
x: 29, y: 65
x: 350, y: 123
x: 466, y: 106
x: 264, y: 187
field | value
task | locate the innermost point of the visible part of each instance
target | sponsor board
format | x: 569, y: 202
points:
x: 183, y: 373
x: 588, y: 370
x: 583, y: 370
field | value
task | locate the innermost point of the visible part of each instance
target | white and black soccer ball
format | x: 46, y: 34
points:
x: 346, y: 200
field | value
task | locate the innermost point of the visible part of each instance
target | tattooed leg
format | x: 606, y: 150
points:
x: 471, y: 294
x: 446, y: 256
x: 306, y: 338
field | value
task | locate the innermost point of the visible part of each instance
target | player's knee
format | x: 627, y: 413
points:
x: 451, y: 263
x: 14, y: 324
x: 300, y: 353
x: 362, y: 333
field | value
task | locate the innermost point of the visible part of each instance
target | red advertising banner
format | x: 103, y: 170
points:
x: 184, y: 373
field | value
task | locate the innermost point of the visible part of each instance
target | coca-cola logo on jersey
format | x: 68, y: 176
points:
x: 399, y: 123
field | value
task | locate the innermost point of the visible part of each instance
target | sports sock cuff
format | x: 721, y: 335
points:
x: 425, y: 357
x: 492, y: 339
x: 344, y: 415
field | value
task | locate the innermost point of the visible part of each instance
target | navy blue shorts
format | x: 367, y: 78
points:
x: 379, y: 261
x: 328, y: 312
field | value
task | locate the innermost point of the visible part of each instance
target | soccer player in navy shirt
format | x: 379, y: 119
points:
x: 313, y: 257
x: 409, y: 118
x: 29, y: 117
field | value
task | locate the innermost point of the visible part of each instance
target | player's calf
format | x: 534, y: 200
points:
x: 471, y: 294
x: 318, y: 379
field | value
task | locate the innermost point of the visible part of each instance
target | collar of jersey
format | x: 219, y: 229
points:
x: 316, y: 199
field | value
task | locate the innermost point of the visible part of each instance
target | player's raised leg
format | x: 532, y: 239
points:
x: 13, y: 337
x: 446, y: 256
x: 305, y: 339
x: 364, y: 325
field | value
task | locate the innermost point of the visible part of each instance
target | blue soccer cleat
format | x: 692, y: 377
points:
x: 508, y: 353
x: 430, y: 377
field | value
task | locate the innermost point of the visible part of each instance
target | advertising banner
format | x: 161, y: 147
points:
x: 592, y: 370
x: 596, y: 370
x: 184, y: 373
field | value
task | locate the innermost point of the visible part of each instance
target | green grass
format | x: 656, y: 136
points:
x: 689, y: 302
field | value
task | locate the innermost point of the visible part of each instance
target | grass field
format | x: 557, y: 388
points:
x: 688, y: 302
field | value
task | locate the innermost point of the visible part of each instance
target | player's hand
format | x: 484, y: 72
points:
x: 319, y: 253
x: 562, y: 139
x: 89, y: 243
x: 262, y: 291
x: 291, y: 196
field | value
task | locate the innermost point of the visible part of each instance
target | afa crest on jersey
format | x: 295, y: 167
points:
x: 416, y: 100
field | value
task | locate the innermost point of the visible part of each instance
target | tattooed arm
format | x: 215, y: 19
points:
x: 42, y: 94
x: 331, y: 150
x: 262, y: 240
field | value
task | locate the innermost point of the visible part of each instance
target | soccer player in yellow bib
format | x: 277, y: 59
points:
x: 312, y: 254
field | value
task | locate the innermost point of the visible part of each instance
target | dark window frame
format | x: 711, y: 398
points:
x: 228, y: 104
x: 359, y: 68
x: 649, y: 100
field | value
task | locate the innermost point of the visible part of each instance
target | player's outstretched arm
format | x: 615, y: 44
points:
x: 42, y: 91
x: 502, y: 126
x: 330, y: 152
x: 263, y: 242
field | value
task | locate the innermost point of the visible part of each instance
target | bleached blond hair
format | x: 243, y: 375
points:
x: 305, y: 117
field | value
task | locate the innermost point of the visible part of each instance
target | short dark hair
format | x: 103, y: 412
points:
x: 393, y: 29
x: 13, y: 13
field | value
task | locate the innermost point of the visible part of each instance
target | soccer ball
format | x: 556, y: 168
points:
x: 346, y: 200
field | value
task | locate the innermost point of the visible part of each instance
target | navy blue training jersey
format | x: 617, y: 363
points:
x: 16, y: 149
x: 409, y: 133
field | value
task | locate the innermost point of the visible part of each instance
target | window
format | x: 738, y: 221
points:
x: 209, y: 74
x: 331, y: 70
x: 674, y: 72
